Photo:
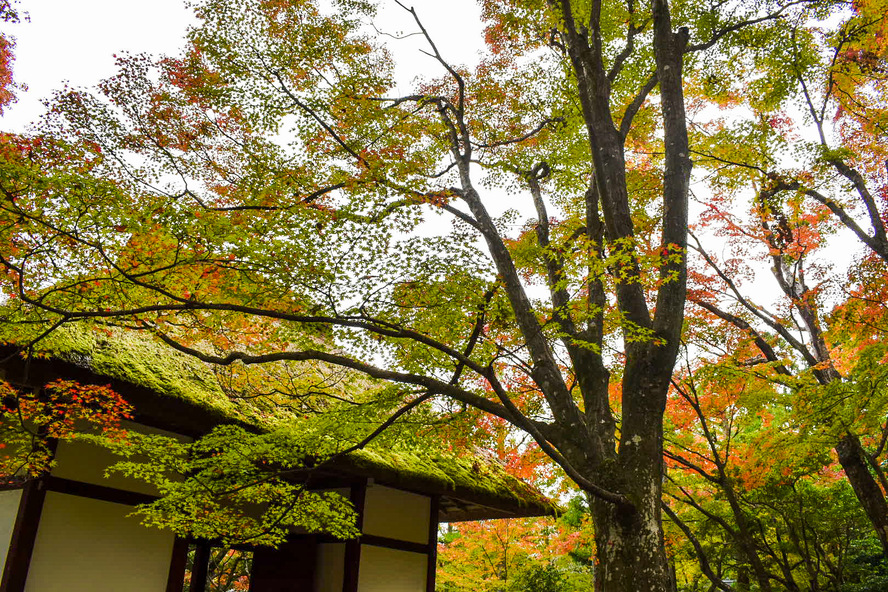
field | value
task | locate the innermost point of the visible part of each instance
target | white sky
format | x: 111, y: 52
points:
x: 74, y: 41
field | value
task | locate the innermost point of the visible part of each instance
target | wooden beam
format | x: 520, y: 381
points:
x: 432, y: 568
x: 11, y: 484
x: 380, y: 541
x: 24, y: 535
x: 98, y: 492
x: 353, y: 546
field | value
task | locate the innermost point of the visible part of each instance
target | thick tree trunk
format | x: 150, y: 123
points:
x: 853, y: 461
x: 743, y: 579
x: 630, y: 553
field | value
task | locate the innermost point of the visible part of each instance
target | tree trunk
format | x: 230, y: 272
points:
x: 630, y: 551
x: 630, y: 555
x: 853, y: 461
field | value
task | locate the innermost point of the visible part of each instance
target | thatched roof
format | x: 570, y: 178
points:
x: 179, y: 393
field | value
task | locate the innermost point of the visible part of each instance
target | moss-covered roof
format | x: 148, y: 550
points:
x: 136, y: 359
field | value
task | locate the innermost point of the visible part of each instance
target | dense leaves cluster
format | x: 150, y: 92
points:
x: 231, y: 485
x: 32, y: 422
x: 534, y: 555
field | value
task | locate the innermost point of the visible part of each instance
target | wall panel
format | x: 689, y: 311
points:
x: 397, y: 514
x: 9, y: 505
x: 81, y: 461
x: 330, y: 566
x: 390, y: 570
x: 86, y: 545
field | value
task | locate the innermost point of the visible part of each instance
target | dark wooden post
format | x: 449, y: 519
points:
x: 353, y: 547
x: 200, y: 567
x: 178, y: 565
x: 434, y: 504
x: 24, y: 535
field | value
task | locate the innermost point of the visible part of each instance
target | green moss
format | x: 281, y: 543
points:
x: 139, y: 360
x: 452, y: 472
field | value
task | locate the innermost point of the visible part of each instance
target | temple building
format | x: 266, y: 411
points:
x: 72, y: 529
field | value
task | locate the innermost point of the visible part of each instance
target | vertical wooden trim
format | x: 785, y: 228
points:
x: 353, y: 546
x: 24, y: 531
x: 200, y: 567
x: 178, y: 565
x: 434, y: 504
x: 24, y: 535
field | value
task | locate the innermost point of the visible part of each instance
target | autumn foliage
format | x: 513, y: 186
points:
x: 32, y: 422
x: 268, y: 199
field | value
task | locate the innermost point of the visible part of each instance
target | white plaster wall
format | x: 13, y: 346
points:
x: 330, y: 567
x: 85, y: 462
x: 390, y: 570
x: 397, y: 514
x: 86, y: 545
x: 9, y: 504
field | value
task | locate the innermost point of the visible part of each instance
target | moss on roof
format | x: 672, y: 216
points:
x: 136, y: 359
x: 454, y: 473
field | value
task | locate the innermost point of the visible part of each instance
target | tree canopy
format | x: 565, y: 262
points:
x: 509, y: 237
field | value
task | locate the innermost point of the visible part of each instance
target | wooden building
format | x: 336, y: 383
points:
x: 70, y: 531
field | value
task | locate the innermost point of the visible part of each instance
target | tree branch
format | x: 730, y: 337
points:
x: 698, y: 549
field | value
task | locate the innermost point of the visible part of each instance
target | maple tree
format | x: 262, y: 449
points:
x: 8, y: 14
x: 753, y: 493
x: 792, y: 238
x: 829, y: 364
x: 737, y: 468
x: 533, y: 555
x: 260, y: 199
x: 228, y: 569
x: 827, y: 369
x: 833, y: 181
x: 31, y: 422
x: 791, y: 261
x: 528, y: 554
x: 811, y: 405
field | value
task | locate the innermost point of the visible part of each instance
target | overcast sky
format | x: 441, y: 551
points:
x: 75, y: 40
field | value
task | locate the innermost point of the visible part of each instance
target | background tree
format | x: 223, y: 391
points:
x: 8, y: 14
x: 791, y: 234
x: 542, y: 555
x: 756, y: 496
x: 834, y: 179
